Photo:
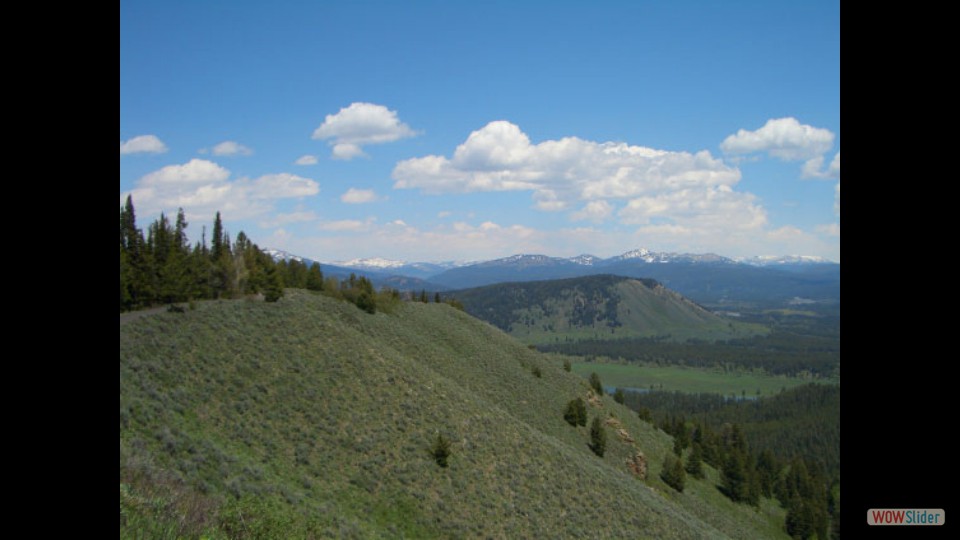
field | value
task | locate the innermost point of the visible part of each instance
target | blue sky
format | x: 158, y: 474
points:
x: 473, y: 130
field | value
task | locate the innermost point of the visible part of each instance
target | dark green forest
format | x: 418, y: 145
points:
x: 786, y: 446
x: 162, y: 267
x: 779, y: 353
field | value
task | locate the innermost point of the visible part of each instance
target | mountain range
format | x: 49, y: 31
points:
x: 706, y: 278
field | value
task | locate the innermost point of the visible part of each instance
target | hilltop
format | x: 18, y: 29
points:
x: 596, y: 307
x: 308, y: 416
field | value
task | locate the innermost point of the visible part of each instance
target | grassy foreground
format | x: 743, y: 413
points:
x: 309, y: 418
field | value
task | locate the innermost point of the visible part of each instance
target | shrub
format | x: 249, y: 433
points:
x: 596, y: 384
x: 440, y: 450
x: 536, y: 372
x: 576, y: 412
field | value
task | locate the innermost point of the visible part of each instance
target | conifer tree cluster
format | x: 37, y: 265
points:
x: 161, y: 267
x: 745, y: 476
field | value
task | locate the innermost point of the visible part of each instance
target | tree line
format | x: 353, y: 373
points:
x: 779, y: 353
x: 162, y: 267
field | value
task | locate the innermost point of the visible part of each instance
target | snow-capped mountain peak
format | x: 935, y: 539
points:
x: 374, y: 262
x: 281, y: 255
x: 585, y: 260
x: 643, y: 254
x: 771, y: 260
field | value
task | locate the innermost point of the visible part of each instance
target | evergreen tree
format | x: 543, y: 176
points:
x: 694, y: 464
x: 767, y: 471
x: 680, y: 431
x: 314, y: 278
x: 618, y: 396
x: 137, y: 289
x: 216, y: 243
x: 644, y: 414
x: 734, y: 479
x: 566, y: 365
x: 436, y: 298
x: 576, y: 412
x: 596, y: 384
x: 673, y: 473
x: 126, y: 299
x: 800, y: 519
x: 273, y: 288
x: 598, y: 437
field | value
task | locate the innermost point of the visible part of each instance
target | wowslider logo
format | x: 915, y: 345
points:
x: 903, y: 516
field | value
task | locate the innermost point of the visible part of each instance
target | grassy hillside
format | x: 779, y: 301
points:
x: 310, y: 418
x: 597, y: 307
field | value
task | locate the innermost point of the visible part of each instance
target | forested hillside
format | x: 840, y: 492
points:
x: 596, y: 308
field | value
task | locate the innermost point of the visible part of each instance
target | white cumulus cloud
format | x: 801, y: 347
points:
x: 564, y: 174
x: 783, y: 138
x: 306, y: 160
x: 813, y: 168
x: 358, y: 196
x: 716, y: 209
x: 231, y: 148
x: 149, y: 144
x: 283, y: 185
x: 358, y: 125
x: 203, y: 187
x: 834, y: 169
x: 195, y: 171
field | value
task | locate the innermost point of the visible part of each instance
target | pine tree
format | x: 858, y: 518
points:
x: 216, y: 243
x: 618, y: 396
x: 734, y: 478
x: 598, y: 437
x: 137, y: 287
x: 767, y: 469
x: 695, y: 462
x: 800, y: 519
x: 673, y: 473
x: 314, y: 278
x: 273, y: 289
